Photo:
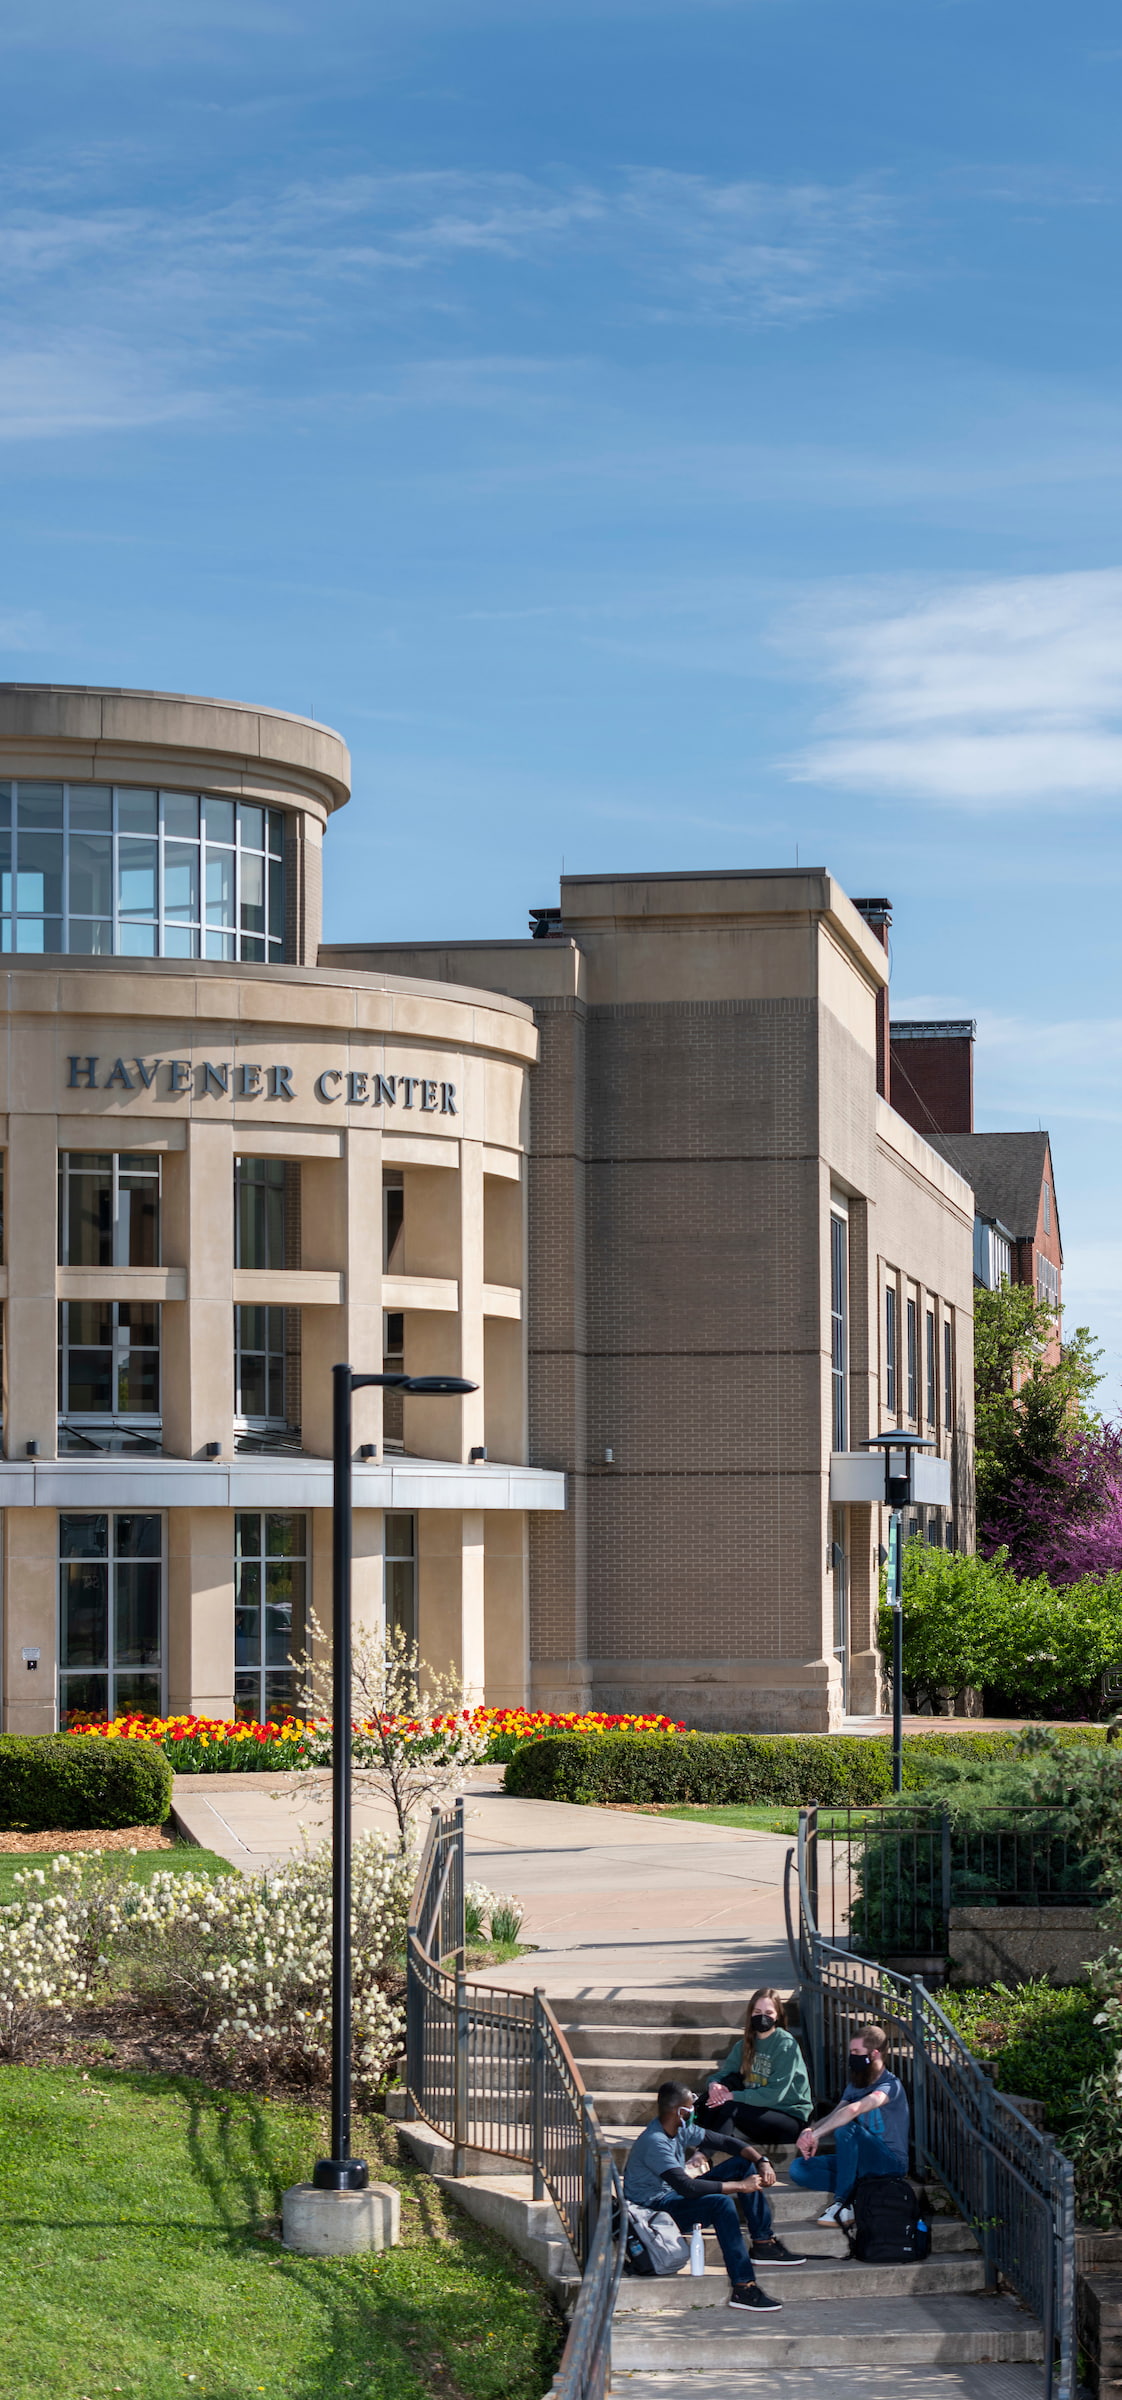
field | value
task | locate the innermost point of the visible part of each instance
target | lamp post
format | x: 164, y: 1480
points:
x: 899, y: 1451
x: 341, y: 2172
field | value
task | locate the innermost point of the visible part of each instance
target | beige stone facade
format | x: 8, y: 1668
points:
x: 225, y: 1168
x: 711, y: 1171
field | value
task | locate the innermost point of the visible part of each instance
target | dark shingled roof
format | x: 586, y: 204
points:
x: 1006, y: 1171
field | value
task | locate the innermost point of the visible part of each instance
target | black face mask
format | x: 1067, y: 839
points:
x: 860, y: 2069
x: 762, y: 2024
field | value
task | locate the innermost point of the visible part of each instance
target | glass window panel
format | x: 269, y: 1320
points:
x: 39, y: 873
x: 91, y: 808
x: 137, y: 1695
x: 91, y: 937
x: 136, y: 878
x: 5, y: 804
x: 253, y: 945
x: 5, y: 870
x: 281, y: 1696
x: 181, y: 881
x: 88, y: 1218
x: 84, y: 1638
x: 219, y: 818
x: 91, y: 874
x: 89, y: 1383
x: 83, y: 1537
x: 278, y: 1634
x: 137, y: 941
x: 276, y: 1384
x: 251, y: 826
x: 138, y: 1221
x: 181, y: 814
x: 220, y: 945
x: 83, y: 1697
x: 137, y: 1537
x: 251, y: 1328
x: 40, y: 804
x: 140, y: 1319
x: 137, y: 1615
x: 37, y: 935
x: 247, y: 1637
x: 276, y: 832
x: 181, y: 941
x: 401, y: 1606
x: 247, y: 1698
x: 276, y: 899
x: 285, y: 1536
x: 219, y: 887
x: 252, y: 1387
x: 90, y: 1320
x: 138, y: 1384
x: 247, y: 1533
x: 399, y: 1535
x: 136, y: 812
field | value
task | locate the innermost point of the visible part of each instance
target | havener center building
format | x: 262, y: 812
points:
x: 631, y: 1176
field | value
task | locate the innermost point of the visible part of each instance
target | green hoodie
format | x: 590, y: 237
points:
x: 777, y: 2077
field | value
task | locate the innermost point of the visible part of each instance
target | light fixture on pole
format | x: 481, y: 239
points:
x: 900, y: 1491
x: 341, y: 2172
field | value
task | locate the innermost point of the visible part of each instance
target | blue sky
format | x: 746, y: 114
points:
x: 656, y: 432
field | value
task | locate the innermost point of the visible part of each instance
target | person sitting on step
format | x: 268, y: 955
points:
x: 869, y: 2126
x: 761, y: 2088
x: 658, y: 2176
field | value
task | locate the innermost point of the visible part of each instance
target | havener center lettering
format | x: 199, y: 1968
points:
x: 226, y: 1081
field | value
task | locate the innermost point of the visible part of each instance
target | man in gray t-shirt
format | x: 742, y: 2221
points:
x: 869, y: 2125
x: 657, y: 2176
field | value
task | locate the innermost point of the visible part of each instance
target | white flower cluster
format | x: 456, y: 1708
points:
x: 251, y: 1955
x: 490, y: 1915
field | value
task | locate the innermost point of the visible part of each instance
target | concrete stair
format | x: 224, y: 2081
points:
x: 906, y: 2330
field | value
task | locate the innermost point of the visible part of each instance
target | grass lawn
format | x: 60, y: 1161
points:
x: 184, y: 1859
x: 762, y: 1820
x: 138, y: 2229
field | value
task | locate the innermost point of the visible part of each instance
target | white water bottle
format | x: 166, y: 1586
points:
x: 697, y: 2251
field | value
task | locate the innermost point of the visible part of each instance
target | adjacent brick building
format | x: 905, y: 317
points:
x: 1017, y: 1232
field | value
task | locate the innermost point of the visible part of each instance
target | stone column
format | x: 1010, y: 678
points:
x: 198, y: 1345
x: 507, y: 1609
x: 30, y: 1617
x: 451, y: 1595
x: 200, y: 1611
x: 341, y: 1228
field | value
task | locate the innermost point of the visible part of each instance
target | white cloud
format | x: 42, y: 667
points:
x: 986, y: 695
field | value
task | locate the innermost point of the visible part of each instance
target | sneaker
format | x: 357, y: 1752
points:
x: 845, y: 2216
x: 831, y: 2215
x: 774, y: 2253
x: 749, y: 2295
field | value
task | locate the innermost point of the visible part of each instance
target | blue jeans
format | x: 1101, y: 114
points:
x: 722, y: 2213
x: 859, y: 2149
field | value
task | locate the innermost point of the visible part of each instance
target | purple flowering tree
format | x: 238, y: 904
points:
x: 1063, y: 1517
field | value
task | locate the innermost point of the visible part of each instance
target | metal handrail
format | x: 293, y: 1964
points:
x: 491, y: 2069
x: 1008, y: 2179
x: 585, y: 2361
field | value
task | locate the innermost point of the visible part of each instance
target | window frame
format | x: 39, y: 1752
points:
x: 891, y: 1348
x: 140, y: 1422
x: 911, y: 1324
x: 263, y: 1557
x: 948, y: 1375
x: 112, y: 1558
x: 129, y: 847
x: 839, y: 1328
x: 932, y: 1367
x: 146, y: 1163
x: 396, y: 1558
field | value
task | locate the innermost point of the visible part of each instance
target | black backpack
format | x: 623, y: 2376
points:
x: 887, y: 2228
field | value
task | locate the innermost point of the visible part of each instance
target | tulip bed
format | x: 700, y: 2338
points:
x: 219, y: 1746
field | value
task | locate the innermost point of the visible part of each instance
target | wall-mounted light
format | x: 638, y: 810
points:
x: 212, y: 1450
x: 609, y: 1457
x: 475, y: 1455
x: 31, y: 1659
x: 368, y: 1449
x: 33, y: 1449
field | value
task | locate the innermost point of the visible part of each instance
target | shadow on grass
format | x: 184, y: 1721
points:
x: 386, y: 2343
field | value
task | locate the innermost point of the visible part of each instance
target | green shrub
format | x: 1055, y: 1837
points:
x: 75, y: 1783
x: 724, y: 1769
x: 1031, y: 1649
x: 1042, y: 2038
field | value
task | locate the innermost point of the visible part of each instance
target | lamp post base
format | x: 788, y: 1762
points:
x: 339, y: 2223
x: 340, y: 2175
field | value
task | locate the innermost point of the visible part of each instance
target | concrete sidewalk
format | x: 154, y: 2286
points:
x: 614, y: 1900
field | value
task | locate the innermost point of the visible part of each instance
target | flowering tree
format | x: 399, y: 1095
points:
x: 1063, y: 1519
x: 414, y: 1737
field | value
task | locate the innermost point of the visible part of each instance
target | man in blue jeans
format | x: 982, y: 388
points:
x: 869, y: 2126
x: 656, y: 2177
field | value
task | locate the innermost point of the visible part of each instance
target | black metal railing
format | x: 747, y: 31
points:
x: 1009, y: 2181
x: 492, y: 2071
x: 889, y: 1877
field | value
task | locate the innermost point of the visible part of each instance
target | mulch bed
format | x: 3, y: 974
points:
x: 126, y: 1837
x: 140, y: 2037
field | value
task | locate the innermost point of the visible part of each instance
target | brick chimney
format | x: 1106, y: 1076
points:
x: 933, y: 1074
x: 878, y: 918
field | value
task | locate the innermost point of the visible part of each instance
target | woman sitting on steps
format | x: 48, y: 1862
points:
x: 761, y: 2089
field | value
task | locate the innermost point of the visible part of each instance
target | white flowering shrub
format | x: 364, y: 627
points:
x: 490, y: 1916
x: 248, y: 1955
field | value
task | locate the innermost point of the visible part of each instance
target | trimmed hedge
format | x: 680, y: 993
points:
x: 77, y: 1783
x: 725, y: 1769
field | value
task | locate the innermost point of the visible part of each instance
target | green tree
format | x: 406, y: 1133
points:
x: 1026, y: 1407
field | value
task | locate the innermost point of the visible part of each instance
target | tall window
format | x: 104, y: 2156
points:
x: 1046, y: 1196
x: 393, y: 1221
x: 109, y: 1209
x: 913, y: 1363
x: 839, y: 1326
x: 266, y: 1338
x: 948, y: 1374
x: 890, y: 1350
x: 139, y: 874
x: 932, y: 1367
x: 270, y: 1614
x: 401, y: 1574
x: 393, y: 1363
x: 110, y: 1616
